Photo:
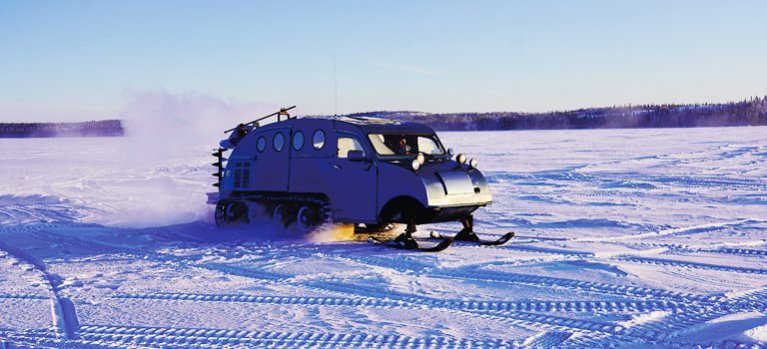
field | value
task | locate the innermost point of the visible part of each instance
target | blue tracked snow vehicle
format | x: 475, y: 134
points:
x: 368, y: 171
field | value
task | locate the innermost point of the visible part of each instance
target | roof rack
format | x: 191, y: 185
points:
x: 366, y: 120
x: 283, y: 111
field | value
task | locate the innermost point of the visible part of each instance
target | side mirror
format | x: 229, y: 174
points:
x: 356, y: 155
x: 450, y: 152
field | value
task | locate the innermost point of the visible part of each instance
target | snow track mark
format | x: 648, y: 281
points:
x: 738, y: 251
x: 216, y: 338
x: 326, y: 301
x: 547, y: 339
x: 472, y: 305
x: 241, y: 271
x: 665, y: 330
x: 536, y: 280
x: 21, y: 296
x: 546, y: 250
x: 18, y: 210
x: 701, y: 228
x: 391, y: 263
x: 559, y: 321
x: 511, y: 313
x: 693, y: 265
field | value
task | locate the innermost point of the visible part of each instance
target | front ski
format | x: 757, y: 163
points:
x: 467, y: 234
x: 412, y: 244
x: 500, y: 241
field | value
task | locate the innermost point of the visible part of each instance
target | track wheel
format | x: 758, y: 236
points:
x: 220, y: 213
x: 306, y: 218
x: 236, y: 211
x: 280, y: 214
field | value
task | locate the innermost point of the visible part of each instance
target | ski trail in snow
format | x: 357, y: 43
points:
x: 676, y: 231
x: 694, y: 265
x: 62, y: 309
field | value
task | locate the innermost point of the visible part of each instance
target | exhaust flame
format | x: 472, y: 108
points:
x: 333, y: 232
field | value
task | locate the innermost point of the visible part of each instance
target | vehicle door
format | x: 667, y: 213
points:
x: 355, y: 193
x: 272, y: 160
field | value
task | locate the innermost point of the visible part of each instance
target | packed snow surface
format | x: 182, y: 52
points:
x: 627, y: 238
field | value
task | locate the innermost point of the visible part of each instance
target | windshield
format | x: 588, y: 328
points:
x: 405, y: 145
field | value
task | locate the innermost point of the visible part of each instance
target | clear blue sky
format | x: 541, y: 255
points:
x: 75, y: 60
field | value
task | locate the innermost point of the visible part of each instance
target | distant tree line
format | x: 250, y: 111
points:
x: 103, y: 128
x: 748, y: 112
x: 751, y: 112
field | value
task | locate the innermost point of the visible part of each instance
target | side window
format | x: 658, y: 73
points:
x: 279, y: 142
x: 345, y: 144
x: 318, y: 139
x: 298, y: 140
x: 261, y: 145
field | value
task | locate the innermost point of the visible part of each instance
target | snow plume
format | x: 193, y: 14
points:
x: 166, y: 156
x: 170, y: 121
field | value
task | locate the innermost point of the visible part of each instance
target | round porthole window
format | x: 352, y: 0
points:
x: 261, y: 144
x: 279, y: 142
x: 318, y: 140
x: 298, y: 140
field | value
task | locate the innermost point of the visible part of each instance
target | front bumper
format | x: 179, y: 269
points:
x: 456, y: 189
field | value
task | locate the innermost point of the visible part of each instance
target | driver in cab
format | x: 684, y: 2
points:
x: 403, y: 147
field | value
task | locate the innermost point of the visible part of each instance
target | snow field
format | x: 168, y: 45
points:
x: 624, y: 238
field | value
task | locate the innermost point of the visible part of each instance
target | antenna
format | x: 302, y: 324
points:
x: 335, y: 85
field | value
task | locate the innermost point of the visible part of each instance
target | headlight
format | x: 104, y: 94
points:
x: 461, y: 158
x: 421, y: 159
x: 415, y: 164
x: 473, y: 163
